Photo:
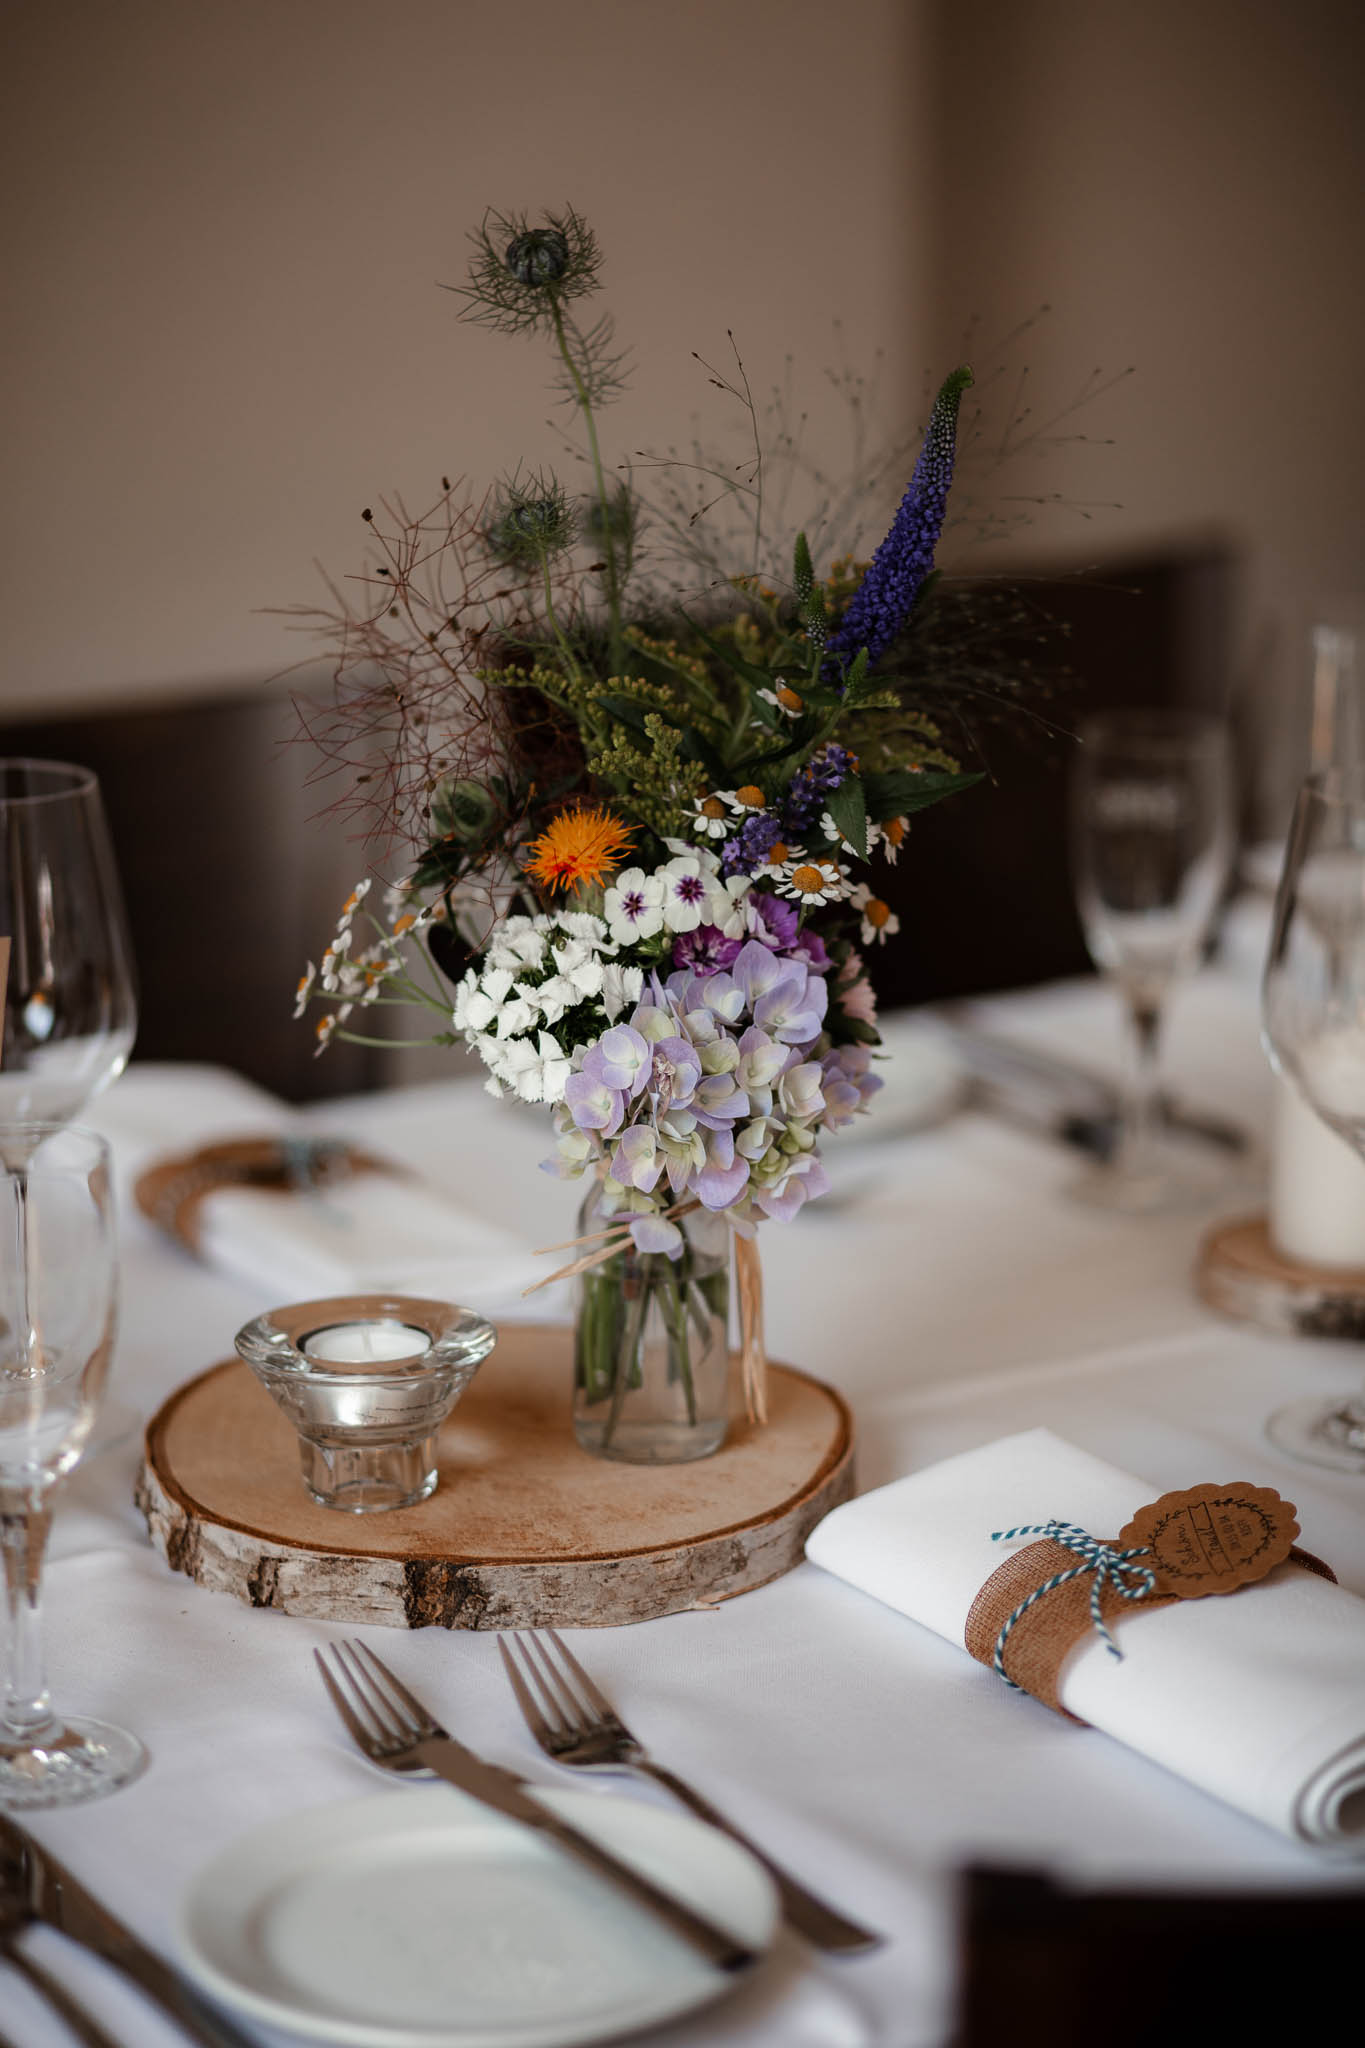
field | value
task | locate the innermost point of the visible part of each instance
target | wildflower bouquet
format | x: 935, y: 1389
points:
x: 642, y: 835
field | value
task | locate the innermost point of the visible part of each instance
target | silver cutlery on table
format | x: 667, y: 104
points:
x: 14, y: 1918
x: 1060, y: 1100
x: 396, y: 1731
x: 35, y: 1886
x: 576, y: 1725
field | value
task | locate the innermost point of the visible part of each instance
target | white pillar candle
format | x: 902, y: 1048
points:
x: 1317, y: 1186
x: 365, y: 1343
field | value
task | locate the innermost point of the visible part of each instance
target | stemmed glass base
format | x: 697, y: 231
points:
x: 79, y: 1760
x: 1321, y: 1432
x: 1158, y: 1178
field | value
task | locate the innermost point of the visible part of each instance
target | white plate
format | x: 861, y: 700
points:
x: 923, y: 1081
x: 421, y: 1919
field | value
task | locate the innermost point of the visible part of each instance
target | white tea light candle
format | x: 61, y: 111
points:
x: 365, y: 1343
x: 367, y: 1380
x: 1317, y: 1186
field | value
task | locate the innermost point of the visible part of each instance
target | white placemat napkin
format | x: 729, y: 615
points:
x: 370, y: 1233
x: 1258, y: 1698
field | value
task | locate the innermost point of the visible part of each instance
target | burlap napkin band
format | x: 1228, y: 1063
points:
x: 1041, y: 1637
x: 172, y: 1192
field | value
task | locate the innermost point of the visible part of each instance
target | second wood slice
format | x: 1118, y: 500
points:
x: 1240, y: 1273
x: 524, y: 1529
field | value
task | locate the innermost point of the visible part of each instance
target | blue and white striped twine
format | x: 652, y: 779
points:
x: 1130, y: 1581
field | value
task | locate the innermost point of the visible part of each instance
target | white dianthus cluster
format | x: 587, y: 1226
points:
x: 535, y: 970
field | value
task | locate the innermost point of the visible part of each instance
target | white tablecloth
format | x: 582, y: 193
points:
x: 953, y: 1293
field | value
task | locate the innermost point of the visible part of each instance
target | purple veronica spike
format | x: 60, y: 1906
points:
x: 883, y: 600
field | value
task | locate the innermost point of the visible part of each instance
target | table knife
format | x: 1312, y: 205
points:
x: 506, y: 1793
x: 1067, y: 1102
x: 51, y: 1894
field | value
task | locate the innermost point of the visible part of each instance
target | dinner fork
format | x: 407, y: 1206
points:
x: 576, y: 1725
x: 397, y: 1732
x: 14, y: 1918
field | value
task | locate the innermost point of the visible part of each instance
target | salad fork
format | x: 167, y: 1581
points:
x: 576, y: 1725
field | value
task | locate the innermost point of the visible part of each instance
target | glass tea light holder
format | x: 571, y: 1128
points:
x: 367, y: 1380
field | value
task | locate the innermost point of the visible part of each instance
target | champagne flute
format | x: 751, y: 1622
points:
x: 58, y: 1269
x: 1313, y: 1027
x: 1152, y: 842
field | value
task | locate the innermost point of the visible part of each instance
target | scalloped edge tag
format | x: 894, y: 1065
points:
x: 1212, y: 1539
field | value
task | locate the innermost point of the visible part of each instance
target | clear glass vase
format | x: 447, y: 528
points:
x: 651, y: 1346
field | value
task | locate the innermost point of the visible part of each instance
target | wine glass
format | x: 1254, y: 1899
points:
x: 70, y: 1013
x: 1313, y: 1027
x: 57, y: 1301
x: 1152, y: 842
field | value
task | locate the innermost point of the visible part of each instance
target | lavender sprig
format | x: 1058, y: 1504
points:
x: 883, y: 600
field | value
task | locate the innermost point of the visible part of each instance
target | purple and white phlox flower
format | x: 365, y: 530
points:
x: 634, y: 906
x: 686, y: 893
x: 705, y: 950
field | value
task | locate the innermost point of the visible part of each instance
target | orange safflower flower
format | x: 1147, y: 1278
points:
x: 578, y: 848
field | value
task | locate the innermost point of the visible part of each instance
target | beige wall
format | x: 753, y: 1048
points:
x: 1184, y: 181
x: 227, y: 221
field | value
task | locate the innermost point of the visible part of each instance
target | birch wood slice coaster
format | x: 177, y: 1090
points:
x: 1240, y: 1273
x: 524, y: 1530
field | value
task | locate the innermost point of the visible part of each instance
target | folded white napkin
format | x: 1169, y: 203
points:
x: 1257, y: 1697
x: 373, y: 1232
x: 370, y: 1233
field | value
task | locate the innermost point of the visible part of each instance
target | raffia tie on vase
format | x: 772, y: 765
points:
x: 753, y: 1357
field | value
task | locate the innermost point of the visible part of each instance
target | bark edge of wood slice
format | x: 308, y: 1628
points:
x: 1240, y: 1273
x: 525, y: 1530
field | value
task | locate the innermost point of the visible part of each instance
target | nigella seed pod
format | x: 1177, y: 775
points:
x: 538, y: 257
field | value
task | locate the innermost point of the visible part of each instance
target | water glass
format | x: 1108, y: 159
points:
x: 57, y: 1307
x: 1313, y: 1027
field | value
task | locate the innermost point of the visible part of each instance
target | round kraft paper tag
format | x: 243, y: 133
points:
x: 1212, y: 1539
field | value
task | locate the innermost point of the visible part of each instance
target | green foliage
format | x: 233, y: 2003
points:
x: 897, y: 795
x: 847, y: 805
x: 649, y: 771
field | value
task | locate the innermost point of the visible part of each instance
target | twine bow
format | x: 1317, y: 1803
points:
x: 749, y: 1279
x: 1110, y: 1567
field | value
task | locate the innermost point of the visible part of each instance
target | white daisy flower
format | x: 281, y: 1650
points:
x: 304, y: 989
x: 748, y: 797
x: 891, y: 837
x: 788, y: 701
x: 880, y: 921
x: 353, y: 903
x: 709, y: 817
x: 813, y: 881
